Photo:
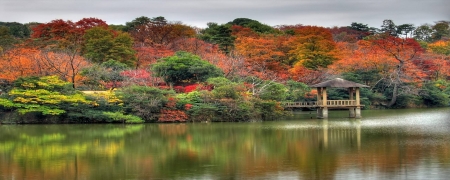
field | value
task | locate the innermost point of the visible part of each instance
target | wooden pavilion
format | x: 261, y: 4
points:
x: 323, y: 104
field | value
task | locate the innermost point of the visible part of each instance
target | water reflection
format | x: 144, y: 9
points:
x: 390, y: 144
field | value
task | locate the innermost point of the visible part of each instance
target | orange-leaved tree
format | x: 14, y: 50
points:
x: 61, y: 43
x: 313, y: 47
x: 403, y: 51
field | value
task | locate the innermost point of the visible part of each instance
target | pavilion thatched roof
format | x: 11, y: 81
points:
x: 338, y: 82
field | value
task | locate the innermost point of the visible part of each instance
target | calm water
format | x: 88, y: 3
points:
x: 384, y: 144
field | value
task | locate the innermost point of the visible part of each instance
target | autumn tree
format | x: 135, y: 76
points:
x: 353, y: 33
x: 261, y: 50
x: 155, y: 38
x: 158, y: 31
x: 60, y: 63
x: 313, y: 47
x: 403, y: 50
x: 19, y: 62
x: 61, y: 43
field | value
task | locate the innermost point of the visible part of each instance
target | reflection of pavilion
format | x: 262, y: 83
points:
x: 339, y: 136
x: 323, y: 104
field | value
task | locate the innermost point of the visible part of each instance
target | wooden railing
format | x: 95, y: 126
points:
x: 330, y: 103
x: 301, y: 104
x: 341, y: 103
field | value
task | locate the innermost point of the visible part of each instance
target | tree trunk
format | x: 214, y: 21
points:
x: 394, y: 95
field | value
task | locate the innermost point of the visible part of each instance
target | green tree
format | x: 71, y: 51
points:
x: 106, y: 74
x: 274, y: 91
x: 145, y: 102
x: 219, y: 34
x: 423, y: 33
x: 224, y: 88
x: 389, y: 28
x: 130, y: 26
x: 433, y: 94
x: 18, y: 30
x: 441, y: 30
x: 7, y: 40
x: 43, y: 94
x: 102, y: 44
x: 252, y: 24
x: 406, y: 30
x: 184, y: 67
x: 296, y: 91
x: 51, y: 97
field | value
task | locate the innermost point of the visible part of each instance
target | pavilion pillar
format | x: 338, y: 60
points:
x: 351, y: 110
x: 319, y: 102
x: 358, y: 104
x: 322, y: 110
x: 324, y: 103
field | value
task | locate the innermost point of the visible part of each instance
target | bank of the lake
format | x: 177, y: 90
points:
x: 384, y: 144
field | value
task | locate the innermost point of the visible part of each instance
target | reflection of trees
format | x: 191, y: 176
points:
x: 61, y: 152
x: 311, y: 150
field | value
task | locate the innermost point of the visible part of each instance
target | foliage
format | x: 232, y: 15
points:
x: 226, y: 72
x: 275, y: 92
x: 433, y: 94
x: 170, y: 113
x: 219, y: 34
x: 204, y: 112
x: 440, y: 47
x: 254, y: 25
x: 105, y: 75
x: 297, y: 91
x: 184, y: 67
x: 145, y: 102
x: 41, y: 95
x: 118, y: 116
x: 101, y: 45
x: 315, y: 47
x: 17, y: 30
x: 269, y: 110
x: 50, y: 96
x: 224, y: 88
x: 7, y: 40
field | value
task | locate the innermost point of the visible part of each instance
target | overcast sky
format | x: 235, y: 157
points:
x: 325, y: 13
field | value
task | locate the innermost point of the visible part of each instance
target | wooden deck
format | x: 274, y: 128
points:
x: 315, y: 104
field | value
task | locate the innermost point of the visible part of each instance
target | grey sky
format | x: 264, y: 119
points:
x: 326, y: 13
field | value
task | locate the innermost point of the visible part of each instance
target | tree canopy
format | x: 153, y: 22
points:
x: 184, y: 67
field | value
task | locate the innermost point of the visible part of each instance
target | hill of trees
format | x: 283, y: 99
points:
x: 159, y: 70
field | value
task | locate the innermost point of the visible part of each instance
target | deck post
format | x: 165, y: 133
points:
x: 358, y: 112
x: 351, y: 110
x: 319, y: 113
x: 324, y: 103
x: 325, y: 113
x: 358, y: 104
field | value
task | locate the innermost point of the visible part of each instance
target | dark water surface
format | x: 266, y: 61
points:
x: 384, y: 144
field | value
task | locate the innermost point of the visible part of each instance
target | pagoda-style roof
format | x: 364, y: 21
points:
x: 338, y: 82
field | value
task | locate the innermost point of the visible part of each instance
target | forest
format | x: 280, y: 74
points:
x: 156, y: 70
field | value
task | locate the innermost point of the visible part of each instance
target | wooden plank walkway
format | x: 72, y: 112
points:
x: 313, y: 104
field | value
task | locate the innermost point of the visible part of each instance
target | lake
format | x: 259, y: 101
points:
x: 384, y: 144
